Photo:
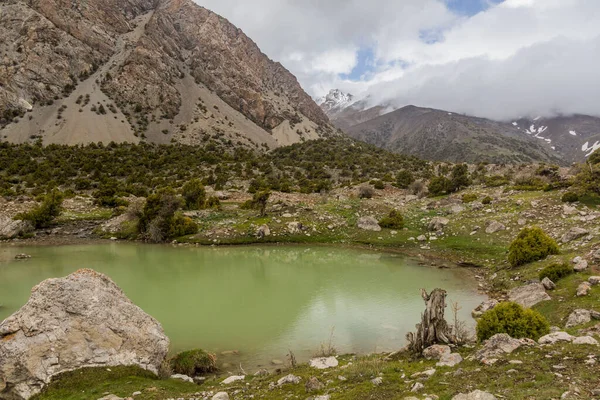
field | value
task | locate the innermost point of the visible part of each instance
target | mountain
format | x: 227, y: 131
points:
x: 574, y: 137
x: 443, y: 136
x: 345, y: 111
x: 128, y: 70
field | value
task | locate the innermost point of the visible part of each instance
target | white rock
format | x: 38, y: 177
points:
x: 323, y: 362
x: 584, y: 289
x: 548, y: 284
x: 594, y: 280
x: 450, y: 360
x: 369, y: 224
x: 221, y: 396
x: 555, y: 338
x: 417, y: 387
x: 436, y: 352
x: 529, y: 295
x: 233, y: 378
x: 581, y: 266
x: 573, y: 234
x: 579, y: 317
x: 289, y: 379
x: 182, y: 377
x: 494, y: 226
x: 476, y: 395
x: 586, y: 340
x: 377, y: 381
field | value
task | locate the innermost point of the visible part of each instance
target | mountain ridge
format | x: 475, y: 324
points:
x: 173, y: 70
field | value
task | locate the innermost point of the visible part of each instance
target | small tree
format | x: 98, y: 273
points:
x: 439, y: 185
x: 393, y: 221
x: 404, y: 179
x: 41, y: 216
x: 194, y: 194
x: 259, y: 202
x: 514, y: 320
x: 460, y: 177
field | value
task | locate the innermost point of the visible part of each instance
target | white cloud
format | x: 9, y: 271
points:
x: 520, y: 57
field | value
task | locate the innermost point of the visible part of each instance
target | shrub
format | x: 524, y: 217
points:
x: 531, y: 183
x: 393, y: 221
x: 379, y: 185
x: 213, y: 202
x: 570, y: 197
x: 469, y: 198
x: 43, y: 214
x: 259, y: 202
x: 439, y: 185
x: 514, y: 320
x: 194, y: 194
x: 556, y: 272
x: 157, y: 218
x: 487, y: 200
x: 532, y: 244
x: 182, y: 226
x: 194, y: 362
x: 365, y: 192
x: 404, y: 179
x: 460, y: 177
x: 496, y: 181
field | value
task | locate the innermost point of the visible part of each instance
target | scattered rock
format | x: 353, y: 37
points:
x: 594, y: 280
x: 22, y: 257
x: 584, y: 289
x: 484, y: 307
x: 182, y: 377
x: 574, y: 234
x: 548, y: 284
x: 313, y: 385
x: 111, y: 397
x: 596, y: 255
x: 79, y: 321
x: 422, y: 238
x: 322, y: 397
x: 221, y: 396
x: 10, y: 228
x: 529, y: 295
x: 476, y: 395
x: 499, y: 345
x: 263, y: 231
x: 436, y: 352
x: 323, y: 362
x: 457, y: 209
x: 377, y: 381
x: 494, y: 227
x: 437, y: 224
x: 369, y: 224
x: 450, y: 360
x: 579, y: 317
x: 262, y: 372
x: 581, y: 266
x: 586, y: 340
x: 295, y: 228
x: 232, y: 379
x: 289, y: 379
x: 417, y: 387
x: 555, y: 338
x: 276, y: 362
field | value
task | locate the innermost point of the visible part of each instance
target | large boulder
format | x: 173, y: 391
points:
x: 529, y: 295
x: 494, y: 227
x: 556, y: 337
x: 369, y: 224
x: 83, y: 320
x: 437, y: 224
x: 10, y: 228
x: 500, y: 345
x: 573, y: 234
x: 579, y: 317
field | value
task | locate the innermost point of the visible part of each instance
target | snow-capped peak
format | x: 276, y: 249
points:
x: 336, y: 99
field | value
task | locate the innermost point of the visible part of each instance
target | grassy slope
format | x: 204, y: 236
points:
x: 533, y: 379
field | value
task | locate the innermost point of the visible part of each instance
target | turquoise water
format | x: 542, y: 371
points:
x: 259, y: 301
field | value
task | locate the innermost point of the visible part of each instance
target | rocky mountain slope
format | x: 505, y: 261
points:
x: 345, y: 111
x: 443, y: 136
x: 574, y: 137
x: 161, y: 70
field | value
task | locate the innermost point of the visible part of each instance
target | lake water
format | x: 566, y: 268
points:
x: 259, y: 301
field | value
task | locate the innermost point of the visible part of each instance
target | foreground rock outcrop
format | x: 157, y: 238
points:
x: 82, y: 320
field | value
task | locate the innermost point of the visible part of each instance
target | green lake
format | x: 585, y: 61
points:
x: 259, y: 301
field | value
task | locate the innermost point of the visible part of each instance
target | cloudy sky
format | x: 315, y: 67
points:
x: 493, y: 58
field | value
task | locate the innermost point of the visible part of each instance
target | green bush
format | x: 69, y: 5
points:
x: 532, y: 244
x: 531, y: 183
x: 460, y: 178
x: 393, y: 221
x: 469, y: 198
x: 439, y: 185
x: 213, y: 202
x: 556, y: 272
x: 194, y: 194
x: 379, y: 185
x: 404, y: 179
x: 570, y: 197
x: 42, y: 215
x: 487, y: 200
x: 182, y: 226
x: 194, y: 362
x: 514, y: 320
x: 259, y: 202
x: 496, y: 181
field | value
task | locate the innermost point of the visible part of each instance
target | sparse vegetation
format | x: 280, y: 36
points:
x: 44, y: 214
x: 394, y: 220
x: 556, y: 272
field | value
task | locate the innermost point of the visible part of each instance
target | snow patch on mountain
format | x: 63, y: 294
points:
x: 573, y: 133
x: 335, y: 100
x: 589, y: 150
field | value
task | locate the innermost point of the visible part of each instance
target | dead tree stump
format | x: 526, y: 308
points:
x: 433, y: 328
